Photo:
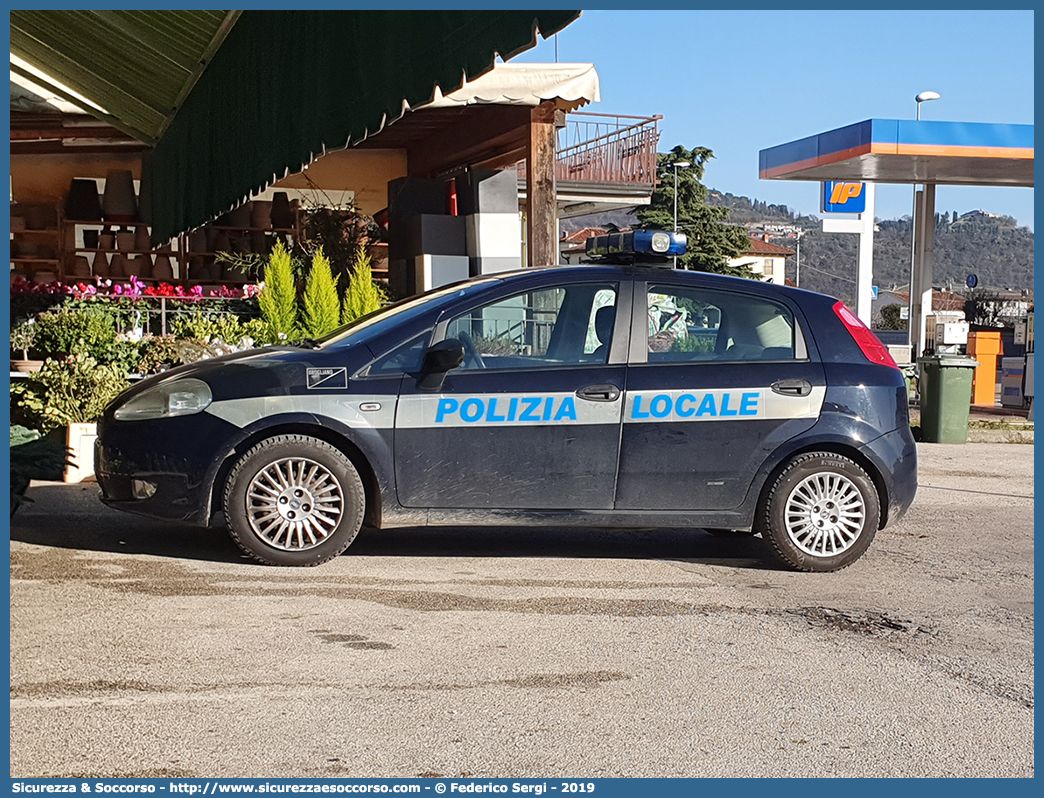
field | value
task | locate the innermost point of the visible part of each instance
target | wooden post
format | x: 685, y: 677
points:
x: 541, y: 211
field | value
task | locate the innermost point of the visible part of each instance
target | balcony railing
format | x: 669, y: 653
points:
x: 604, y: 148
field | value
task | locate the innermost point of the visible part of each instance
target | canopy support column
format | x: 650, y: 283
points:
x: 921, y: 272
x: 541, y: 240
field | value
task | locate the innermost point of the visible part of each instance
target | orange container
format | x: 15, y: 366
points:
x: 985, y: 347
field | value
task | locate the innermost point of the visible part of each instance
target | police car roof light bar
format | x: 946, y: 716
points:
x: 649, y: 247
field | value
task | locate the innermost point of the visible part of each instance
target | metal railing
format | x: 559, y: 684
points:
x: 606, y: 148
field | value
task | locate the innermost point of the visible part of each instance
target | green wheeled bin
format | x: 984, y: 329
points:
x: 945, y: 387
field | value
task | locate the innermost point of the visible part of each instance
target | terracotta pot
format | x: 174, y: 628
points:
x: 45, y: 278
x: 238, y: 216
x: 125, y: 240
x: 261, y: 214
x: 282, y: 213
x: 26, y: 366
x: 116, y: 265
x: 162, y: 268
x: 17, y: 224
x: 90, y: 239
x: 40, y: 217
x: 198, y: 240
x: 222, y: 243
x: 141, y: 240
x: 119, y: 203
x: 106, y: 239
x: 81, y: 266
x: 135, y: 266
x: 100, y: 267
x: 81, y: 203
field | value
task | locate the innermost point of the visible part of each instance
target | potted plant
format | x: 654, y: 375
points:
x: 22, y: 338
x: 70, y: 393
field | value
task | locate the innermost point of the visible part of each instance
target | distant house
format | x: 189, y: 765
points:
x: 765, y: 259
x: 942, y: 301
x: 573, y: 246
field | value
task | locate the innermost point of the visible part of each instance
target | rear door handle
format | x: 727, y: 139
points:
x: 599, y: 393
x: 792, y: 387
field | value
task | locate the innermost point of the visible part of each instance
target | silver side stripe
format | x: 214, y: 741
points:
x: 346, y: 408
x: 732, y: 404
x: 526, y: 409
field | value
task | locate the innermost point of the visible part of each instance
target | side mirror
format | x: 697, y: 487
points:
x: 439, y: 359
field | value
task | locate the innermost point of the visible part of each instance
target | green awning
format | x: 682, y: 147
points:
x: 131, y: 69
x: 286, y: 86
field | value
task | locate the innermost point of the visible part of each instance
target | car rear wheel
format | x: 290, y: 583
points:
x: 294, y: 500
x: 821, y: 513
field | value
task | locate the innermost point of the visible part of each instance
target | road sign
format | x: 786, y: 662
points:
x: 873, y: 292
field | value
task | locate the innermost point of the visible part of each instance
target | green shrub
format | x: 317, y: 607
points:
x: 278, y: 298
x: 75, y: 390
x: 229, y: 328
x: 65, y: 331
x: 158, y: 353
x: 363, y: 295
x: 322, y: 306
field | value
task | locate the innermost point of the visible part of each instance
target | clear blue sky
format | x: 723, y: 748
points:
x: 741, y: 81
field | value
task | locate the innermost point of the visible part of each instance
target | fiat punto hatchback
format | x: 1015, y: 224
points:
x: 596, y: 396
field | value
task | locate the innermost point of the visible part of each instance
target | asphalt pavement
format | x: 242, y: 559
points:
x: 146, y: 649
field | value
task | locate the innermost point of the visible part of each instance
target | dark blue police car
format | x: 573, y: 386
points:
x: 605, y: 396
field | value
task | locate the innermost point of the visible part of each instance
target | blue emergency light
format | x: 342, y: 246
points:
x: 637, y: 245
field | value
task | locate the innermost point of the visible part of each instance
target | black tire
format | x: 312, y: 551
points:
x: 294, y: 532
x: 820, y: 500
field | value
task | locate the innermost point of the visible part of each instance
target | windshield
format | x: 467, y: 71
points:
x: 401, y: 311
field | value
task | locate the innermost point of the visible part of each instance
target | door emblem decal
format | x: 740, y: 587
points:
x: 327, y: 379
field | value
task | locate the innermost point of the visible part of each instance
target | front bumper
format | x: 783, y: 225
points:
x: 174, y: 461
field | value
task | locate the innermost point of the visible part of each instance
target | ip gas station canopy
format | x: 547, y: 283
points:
x: 912, y: 152
x: 906, y: 151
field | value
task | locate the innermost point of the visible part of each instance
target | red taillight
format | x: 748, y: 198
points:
x: 871, y: 346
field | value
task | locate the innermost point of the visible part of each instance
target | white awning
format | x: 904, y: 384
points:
x: 571, y: 85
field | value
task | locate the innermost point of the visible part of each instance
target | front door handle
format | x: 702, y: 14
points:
x: 599, y: 393
x: 792, y: 387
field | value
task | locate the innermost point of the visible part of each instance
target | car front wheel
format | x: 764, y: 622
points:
x: 294, y: 500
x: 821, y: 513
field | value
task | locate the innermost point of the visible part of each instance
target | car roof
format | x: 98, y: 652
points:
x: 596, y: 271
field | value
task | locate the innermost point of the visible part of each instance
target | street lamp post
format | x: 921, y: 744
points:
x: 923, y: 97
x: 676, y: 166
x: 913, y: 336
x: 797, y: 268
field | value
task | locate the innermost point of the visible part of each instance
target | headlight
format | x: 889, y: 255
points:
x: 178, y: 398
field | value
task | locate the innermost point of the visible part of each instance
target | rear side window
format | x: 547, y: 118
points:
x: 693, y: 324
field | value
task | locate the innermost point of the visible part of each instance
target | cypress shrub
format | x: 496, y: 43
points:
x: 321, y: 303
x: 363, y: 295
x: 278, y: 298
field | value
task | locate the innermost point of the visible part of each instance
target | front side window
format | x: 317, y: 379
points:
x: 693, y: 324
x: 558, y: 326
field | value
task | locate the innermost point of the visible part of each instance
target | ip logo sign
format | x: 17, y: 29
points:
x: 841, y: 197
